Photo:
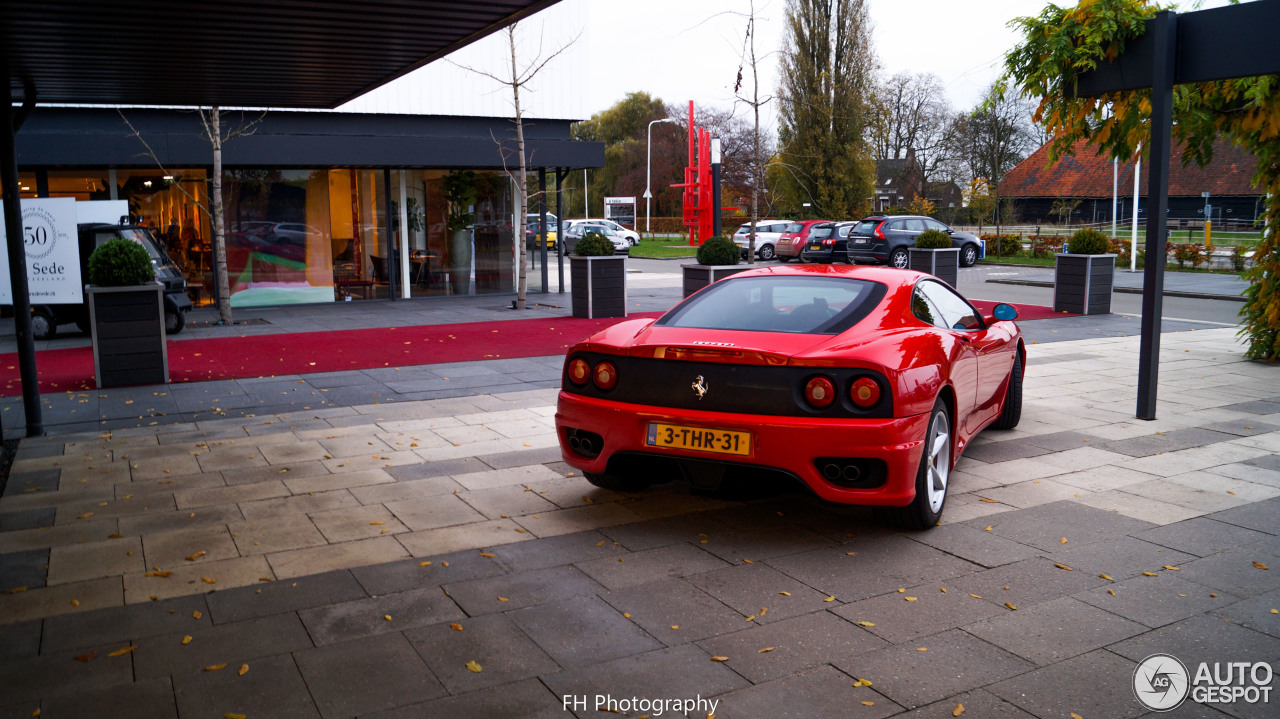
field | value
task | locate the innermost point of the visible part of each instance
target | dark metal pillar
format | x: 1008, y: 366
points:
x: 542, y: 221
x: 560, y: 238
x: 9, y: 125
x: 1164, y: 31
x: 393, y: 248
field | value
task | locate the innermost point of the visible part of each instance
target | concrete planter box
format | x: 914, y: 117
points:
x: 1082, y: 283
x: 127, y: 325
x: 943, y: 264
x: 598, y: 286
x: 698, y: 276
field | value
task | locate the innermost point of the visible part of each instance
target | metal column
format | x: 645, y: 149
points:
x: 542, y: 213
x: 561, y: 242
x: 10, y: 121
x: 1164, y: 30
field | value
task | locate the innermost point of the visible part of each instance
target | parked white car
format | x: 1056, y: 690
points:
x: 579, y: 229
x: 767, y: 234
x: 631, y: 236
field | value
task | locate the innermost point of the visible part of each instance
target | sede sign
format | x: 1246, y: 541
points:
x: 53, y: 253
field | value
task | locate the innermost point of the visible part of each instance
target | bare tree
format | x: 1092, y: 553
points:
x: 755, y: 102
x: 998, y: 135
x: 211, y: 120
x: 519, y: 78
x: 913, y: 115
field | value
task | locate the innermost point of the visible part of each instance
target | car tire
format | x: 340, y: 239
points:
x: 899, y: 258
x: 174, y: 321
x: 615, y: 482
x: 766, y: 252
x: 933, y: 476
x: 968, y: 255
x: 1011, y: 413
x: 43, y: 325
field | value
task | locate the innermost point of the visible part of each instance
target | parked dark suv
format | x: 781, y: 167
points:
x: 827, y: 244
x: 884, y: 240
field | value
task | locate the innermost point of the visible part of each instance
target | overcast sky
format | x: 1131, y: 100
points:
x: 681, y: 50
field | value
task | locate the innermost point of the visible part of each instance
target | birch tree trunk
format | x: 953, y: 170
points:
x: 522, y: 182
x: 219, y: 223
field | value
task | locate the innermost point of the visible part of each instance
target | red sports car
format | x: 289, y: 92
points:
x: 864, y: 383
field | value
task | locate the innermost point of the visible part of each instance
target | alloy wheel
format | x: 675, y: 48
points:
x: 939, y: 448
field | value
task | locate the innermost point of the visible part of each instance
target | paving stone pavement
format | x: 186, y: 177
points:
x: 353, y: 560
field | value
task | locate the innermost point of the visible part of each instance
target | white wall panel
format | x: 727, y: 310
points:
x: 444, y: 88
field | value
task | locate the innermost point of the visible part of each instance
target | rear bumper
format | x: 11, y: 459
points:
x: 789, y: 444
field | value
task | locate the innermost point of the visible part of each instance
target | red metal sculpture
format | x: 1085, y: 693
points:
x: 697, y: 196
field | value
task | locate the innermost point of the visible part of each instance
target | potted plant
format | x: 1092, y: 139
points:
x: 459, y: 187
x: 598, y: 278
x: 934, y: 253
x: 1084, y: 274
x: 717, y: 259
x: 126, y: 316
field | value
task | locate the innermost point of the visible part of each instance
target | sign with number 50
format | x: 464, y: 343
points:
x: 53, y: 253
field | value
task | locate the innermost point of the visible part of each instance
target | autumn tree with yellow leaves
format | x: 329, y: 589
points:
x: 1061, y: 43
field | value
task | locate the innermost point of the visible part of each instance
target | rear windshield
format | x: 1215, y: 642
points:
x: 819, y: 233
x: 866, y: 228
x: 794, y: 227
x: 796, y: 304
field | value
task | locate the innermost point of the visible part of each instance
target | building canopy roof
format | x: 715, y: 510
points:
x: 241, y: 53
x: 1086, y: 174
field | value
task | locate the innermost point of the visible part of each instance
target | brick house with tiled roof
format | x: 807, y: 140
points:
x: 1035, y: 184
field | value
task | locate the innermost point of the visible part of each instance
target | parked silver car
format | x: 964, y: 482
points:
x: 767, y: 233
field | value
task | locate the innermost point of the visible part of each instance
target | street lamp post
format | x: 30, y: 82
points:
x: 648, y: 170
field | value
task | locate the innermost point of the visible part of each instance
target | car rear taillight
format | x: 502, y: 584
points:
x: 879, y: 232
x: 828, y: 241
x: 865, y: 393
x: 605, y: 376
x: 579, y: 371
x: 819, y: 392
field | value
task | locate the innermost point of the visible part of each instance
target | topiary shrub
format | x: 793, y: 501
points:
x: 933, y: 240
x: 120, y: 263
x: 1088, y: 241
x: 719, y: 251
x: 1003, y: 245
x: 593, y: 244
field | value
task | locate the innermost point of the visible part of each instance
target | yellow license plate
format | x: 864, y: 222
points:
x: 702, y: 439
x: 815, y: 248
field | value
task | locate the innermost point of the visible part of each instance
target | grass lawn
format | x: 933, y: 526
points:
x: 663, y: 247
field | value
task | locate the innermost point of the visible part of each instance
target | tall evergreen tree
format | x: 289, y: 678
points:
x: 825, y: 105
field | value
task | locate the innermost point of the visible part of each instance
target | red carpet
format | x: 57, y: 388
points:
x: 71, y: 369
x: 1026, y: 313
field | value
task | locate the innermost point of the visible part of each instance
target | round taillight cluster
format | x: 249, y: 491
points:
x: 865, y: 393
x: 604, y: 374
x: 579, y: 371
x: 819, y: 392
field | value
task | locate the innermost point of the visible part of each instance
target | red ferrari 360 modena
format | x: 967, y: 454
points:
x: 864, y: 383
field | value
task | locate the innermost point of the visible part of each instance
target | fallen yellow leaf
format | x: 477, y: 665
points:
x: 196, y: 556
x: 988, y: 501
x: 1112, y: 592
x: 785, y: 594
x: 1062, y: 541
x: 196, y: 614
x: 626, y: 615
x: 455, y: 626
x: 15, y: 590
x: 1275, y: 611
x: 123, y: 650
x: 766, y: 649
x: 862, y: 683
x: 488, y: 555
x: 207, y: 580
x: 831, y: 598
x: 675, y: 626
x: 1063, y: 566
x: 922, y: 649
x: 910, y: 599
x: 865, y: 624
x: 244, y: 669
x: 216, y: 667
x: 1172, y: 568
x: 503, y: 599
x: 987, y: 528
x: 958, y: 710
x: 719, y: 659
x: 1007, y: 604
x: 763, y: 610
x: 75, y: 602
x: 1076, y: 716
x: 443, y: 564
x: 974, y: 595
x: 1150, y: 574
x: 1107, y: 577
x: 1260, y: 565
x: 424, y: 564
x: 473, y: 666
x: 158, y: 574
x: 386, y: 617
x: 868, y: 704
x: 186, y: 640
x: 751, y: 618
x: 230, y: 715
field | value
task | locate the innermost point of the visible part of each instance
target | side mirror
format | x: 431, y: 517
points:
x: 1004, y: 312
